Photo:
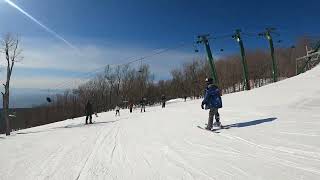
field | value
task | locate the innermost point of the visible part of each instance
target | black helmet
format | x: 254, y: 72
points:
x: 209, y: 80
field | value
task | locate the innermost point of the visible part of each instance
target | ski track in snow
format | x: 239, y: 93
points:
x: 278, y: 160
x: 97, y: 145
x: 273, y: 134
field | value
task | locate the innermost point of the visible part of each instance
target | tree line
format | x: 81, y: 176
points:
x: 121, y: 85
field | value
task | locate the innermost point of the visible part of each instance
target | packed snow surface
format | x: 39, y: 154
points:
x: 274, y: 135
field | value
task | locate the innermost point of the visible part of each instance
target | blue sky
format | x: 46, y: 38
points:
x: 109, y: 31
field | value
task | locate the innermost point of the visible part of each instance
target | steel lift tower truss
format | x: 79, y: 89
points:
x: 310, y: 60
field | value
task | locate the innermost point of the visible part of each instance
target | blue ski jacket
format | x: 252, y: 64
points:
x: 212, y: 97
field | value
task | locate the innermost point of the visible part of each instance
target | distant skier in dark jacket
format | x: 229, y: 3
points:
x: 143, y: 104
x: 131, y: 107
x: 212, y: 100
x: 117, y: 110
x: 89, y: 112
x: 163, y: 99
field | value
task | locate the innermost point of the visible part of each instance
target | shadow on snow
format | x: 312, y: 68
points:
x: 67, y: 126
x: 250, y: 123
x: 81, y: 125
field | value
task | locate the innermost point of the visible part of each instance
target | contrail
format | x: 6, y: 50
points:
x: 39, y: 23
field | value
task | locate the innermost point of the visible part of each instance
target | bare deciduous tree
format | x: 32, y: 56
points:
x: 10, y: 48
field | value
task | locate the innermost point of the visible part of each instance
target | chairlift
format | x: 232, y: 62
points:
x: 140, y: 69
x: 12, y: 115
x: 49, y: 100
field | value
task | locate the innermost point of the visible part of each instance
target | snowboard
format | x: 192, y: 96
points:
x: 214, y: 129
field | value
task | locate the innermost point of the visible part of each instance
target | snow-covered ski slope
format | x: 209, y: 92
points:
x: 274, y: 135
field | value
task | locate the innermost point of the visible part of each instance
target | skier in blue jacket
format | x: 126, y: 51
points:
x: 212, y: 100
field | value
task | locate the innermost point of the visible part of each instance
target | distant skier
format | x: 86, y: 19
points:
x: 89, y: 112
x: 131, y: 107
x: 163, y: 99
x: 185, y: 98
x: 117, y: 110
x: 143, y: 104
x: 212, y: 100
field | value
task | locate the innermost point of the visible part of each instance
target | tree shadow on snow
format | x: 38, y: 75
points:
x: 249, y: 123
x: 81, y: 125
x: 67, y: 126
x: 31, y: 132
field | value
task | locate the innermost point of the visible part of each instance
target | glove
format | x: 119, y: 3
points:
x: 202, y: 107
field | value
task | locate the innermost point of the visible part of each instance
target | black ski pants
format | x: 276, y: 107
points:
x: 89, y: 117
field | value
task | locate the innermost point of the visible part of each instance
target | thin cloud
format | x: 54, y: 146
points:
x: 46, y: 82
x: 47, y: 64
